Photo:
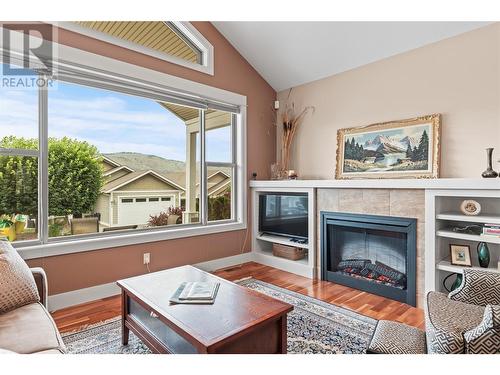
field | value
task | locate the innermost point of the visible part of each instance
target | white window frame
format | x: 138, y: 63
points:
x: 184, y: 29
x: 129, y: 73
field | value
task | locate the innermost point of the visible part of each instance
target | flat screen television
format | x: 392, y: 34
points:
x: 284, y: 214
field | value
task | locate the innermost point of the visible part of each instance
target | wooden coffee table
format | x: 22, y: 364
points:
x: 240, y: 321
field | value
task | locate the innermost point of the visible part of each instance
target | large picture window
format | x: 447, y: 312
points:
x: 112, y: 159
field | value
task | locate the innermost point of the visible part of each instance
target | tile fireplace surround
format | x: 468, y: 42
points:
x: 387, y: 202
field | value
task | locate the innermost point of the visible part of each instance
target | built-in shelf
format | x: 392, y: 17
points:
x: 448, y: 233
x: 445, y: 265
x: 304, y: 261
x: 483, y: 219
x: 281, y: 240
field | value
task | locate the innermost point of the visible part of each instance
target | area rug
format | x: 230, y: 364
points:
x: 313, y: 327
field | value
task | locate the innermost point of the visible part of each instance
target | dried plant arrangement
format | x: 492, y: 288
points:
x: 290, y: 120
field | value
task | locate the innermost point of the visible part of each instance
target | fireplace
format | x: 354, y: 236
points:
x: 376, y: 254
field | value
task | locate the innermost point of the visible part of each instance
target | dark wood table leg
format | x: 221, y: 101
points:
x: 283, y: 343
x: 125, y: 329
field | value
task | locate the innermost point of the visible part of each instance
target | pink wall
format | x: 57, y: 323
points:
x: 232, y: 73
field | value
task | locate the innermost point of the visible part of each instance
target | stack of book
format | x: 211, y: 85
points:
x: 195, y: 292
x: 491, y: 230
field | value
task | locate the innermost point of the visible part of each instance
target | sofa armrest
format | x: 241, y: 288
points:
x: 485, y: 338
x: 41, y: 284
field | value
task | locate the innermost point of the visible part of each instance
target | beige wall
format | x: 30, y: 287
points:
x: 233, y: 73
x: 458, y: 77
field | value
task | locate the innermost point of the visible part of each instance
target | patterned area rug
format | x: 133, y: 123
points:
x: 313, y: 327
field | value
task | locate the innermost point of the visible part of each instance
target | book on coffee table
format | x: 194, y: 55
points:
x: 195, y: 293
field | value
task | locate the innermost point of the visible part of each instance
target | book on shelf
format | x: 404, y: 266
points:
x: 196, y: 292
x: 491, y: 226
x: 491, y: 230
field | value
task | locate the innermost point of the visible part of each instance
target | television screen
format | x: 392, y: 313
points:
x: 284, y: 214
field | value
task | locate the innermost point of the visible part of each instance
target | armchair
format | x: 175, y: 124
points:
x: 465, y: 321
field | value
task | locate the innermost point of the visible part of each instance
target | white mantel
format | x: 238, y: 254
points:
x: 426, y: 184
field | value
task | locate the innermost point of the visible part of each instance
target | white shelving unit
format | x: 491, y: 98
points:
x: 447, y: 233
x: 442, y: 214
x: 482, y: 219
x: 445, y: 265
x: 262, y: 244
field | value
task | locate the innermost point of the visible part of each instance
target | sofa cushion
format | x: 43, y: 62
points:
x: 396, y: 338
x: 17, y: 285
x: 446, y: 321
x: 29, y: 329
x: 478, y: 287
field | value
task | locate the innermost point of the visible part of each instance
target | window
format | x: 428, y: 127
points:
x: 221, y: 164
x: 19, y: 154
x: 176, y: 42
x: 113, y: 155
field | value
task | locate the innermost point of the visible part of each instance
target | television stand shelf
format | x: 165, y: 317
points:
x: 262, y: 243
x: 282, y: 240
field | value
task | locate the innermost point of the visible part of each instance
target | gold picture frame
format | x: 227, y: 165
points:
x: 378, y: 150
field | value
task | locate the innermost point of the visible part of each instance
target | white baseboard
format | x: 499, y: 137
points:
x: 76, y: 297
x: 216, y: 264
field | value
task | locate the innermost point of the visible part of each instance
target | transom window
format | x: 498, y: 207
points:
x: 176, y: 42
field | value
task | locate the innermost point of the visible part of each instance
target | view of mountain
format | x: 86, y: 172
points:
x: 142, y: 162
x: 390, y: 145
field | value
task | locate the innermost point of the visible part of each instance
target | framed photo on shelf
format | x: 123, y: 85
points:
x: 460, y: 255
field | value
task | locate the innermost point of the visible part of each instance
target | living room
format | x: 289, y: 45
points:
x: 263, y: 187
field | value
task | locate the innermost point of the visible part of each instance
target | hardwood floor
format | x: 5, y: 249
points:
x: 377, y: 307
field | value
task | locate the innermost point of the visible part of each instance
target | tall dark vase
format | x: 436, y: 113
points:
x: 489, y: 172
x: 483, y: 254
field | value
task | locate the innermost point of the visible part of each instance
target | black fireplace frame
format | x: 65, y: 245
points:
x: 362, y: 221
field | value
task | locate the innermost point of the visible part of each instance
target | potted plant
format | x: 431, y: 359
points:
x: 8, y: 229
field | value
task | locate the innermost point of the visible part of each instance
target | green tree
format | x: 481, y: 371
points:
x: 19, y: 179
x: 423, y: 147
x: 409, y: 152
x: 75, y: 177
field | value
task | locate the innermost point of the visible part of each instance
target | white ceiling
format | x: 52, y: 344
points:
x: 288, y: 54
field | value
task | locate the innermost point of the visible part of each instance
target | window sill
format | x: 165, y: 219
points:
x: 105, y: 242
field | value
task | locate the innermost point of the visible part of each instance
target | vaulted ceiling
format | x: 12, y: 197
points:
x: 288, y: 54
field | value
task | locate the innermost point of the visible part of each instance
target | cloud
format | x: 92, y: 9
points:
x: 107, y: 122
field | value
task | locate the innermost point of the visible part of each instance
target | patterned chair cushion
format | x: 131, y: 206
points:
x: 485, y: 338
x: 396, y: 338
x: 478, y: 288
x: 446, y: 321
x: 17, y: 285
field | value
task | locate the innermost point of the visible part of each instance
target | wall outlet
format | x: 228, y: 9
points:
x: 146, y: 258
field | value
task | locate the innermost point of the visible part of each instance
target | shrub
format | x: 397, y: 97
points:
x: 162, y: 218
x: 75, y: 177
x: 158, y: 220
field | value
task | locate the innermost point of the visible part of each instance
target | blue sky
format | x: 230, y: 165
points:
x: 111, y: 121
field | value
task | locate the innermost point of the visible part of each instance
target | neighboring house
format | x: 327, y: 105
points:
x: 130, y: 197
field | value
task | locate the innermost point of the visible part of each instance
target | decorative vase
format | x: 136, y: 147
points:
x: 489, y: 172
x: 457, y: 282
x: 483, y: 254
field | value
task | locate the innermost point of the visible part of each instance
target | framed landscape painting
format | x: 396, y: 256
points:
x: 396, y: 149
